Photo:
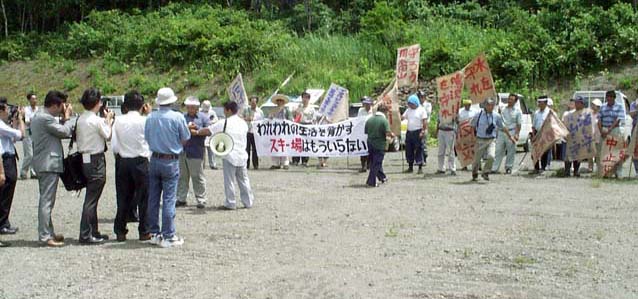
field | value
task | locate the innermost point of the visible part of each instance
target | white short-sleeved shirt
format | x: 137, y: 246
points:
x: 415, y: 118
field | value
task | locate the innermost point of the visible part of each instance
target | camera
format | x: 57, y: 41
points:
x: 490, y: 129
x: 13, y: 111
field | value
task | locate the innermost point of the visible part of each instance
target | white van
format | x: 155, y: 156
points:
x: 621, y: 100
x: 525, y: 136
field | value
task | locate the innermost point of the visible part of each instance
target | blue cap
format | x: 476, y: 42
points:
x: 414, y: 100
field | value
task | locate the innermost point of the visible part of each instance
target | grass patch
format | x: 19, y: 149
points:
x: 522, y: 261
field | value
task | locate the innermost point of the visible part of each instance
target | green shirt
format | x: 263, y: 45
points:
x: 376, y: 128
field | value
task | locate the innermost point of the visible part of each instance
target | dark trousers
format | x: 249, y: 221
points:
x: 251, y: 148
x: 95, y: 173
x: 414, y: 148
x: 568, y: 167
x: 304, y: 160
x: 376, y: 165
x: 365, y: 162
x: 131, y: 186
x: 7, y: 190
x: 543, y: 161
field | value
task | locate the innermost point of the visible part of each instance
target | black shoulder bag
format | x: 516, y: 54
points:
x: 73, y: 177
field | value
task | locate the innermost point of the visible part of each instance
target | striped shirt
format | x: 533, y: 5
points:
x: 609, y: 114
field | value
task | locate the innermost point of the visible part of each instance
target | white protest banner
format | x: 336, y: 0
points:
x: 580, y: 140
x: 390, y: 99
x: 237, y: 93
x: 465, y: 142
x: 332, y: 102
x: 282, y: 138
x: 449, y: 90
x: 408, y: 67
x: 478, y: 78
x: 551, y: 132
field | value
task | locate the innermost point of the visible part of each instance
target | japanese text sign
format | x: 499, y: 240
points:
x: 478, y: 79
x: 237, y: 93
x: 465, y: 142
x: 551, y: 132
x: 282, y: 138
x: 390, y: 99
x: 580, y: 140
x: 408, y: 66
x: 449, y: 89
x: 333, y: 101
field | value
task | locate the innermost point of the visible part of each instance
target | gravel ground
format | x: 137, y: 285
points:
x: 322, y: 234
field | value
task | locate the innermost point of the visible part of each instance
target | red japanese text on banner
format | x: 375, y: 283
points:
x: 465, y: 142
x: 449, y: 89
x: 479, y: 81
x: 282, y: 138
x: 407, y: 72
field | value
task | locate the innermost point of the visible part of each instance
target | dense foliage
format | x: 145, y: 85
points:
x: 352, y: 43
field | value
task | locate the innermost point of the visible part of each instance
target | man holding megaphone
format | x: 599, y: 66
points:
x: 229, y: 142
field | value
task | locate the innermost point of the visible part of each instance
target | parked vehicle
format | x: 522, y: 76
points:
x: 621, y: 100
x: 113, y: 103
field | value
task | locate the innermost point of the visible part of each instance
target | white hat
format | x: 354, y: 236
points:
x: 597, y: 102
x: 206, y: 104
x: 165, y: 96
x: 191, y: 101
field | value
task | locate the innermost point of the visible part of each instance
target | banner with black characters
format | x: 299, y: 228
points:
x: 281, y: 138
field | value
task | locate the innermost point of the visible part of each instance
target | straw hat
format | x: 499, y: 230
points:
x: 278, y: 97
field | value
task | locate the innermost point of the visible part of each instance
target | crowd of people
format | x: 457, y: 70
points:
x: 497, y: 133
x: 160, y: 153
x: 157, y: 154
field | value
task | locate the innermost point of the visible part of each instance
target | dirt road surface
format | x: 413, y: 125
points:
x: 323, y: 234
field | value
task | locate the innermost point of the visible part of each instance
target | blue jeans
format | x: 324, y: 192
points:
x: 414, y: 147
x: 163, y: 176
x: 376, y: 165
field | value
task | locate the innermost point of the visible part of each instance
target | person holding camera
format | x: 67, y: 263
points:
x: 11, y: 130
x: 131, y: 172
x: 487, y: 124
x: 93, y: 129
x: 47, y: 133
x: 27, y: 144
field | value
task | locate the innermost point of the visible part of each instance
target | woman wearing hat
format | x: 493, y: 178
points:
x: 281, y: 112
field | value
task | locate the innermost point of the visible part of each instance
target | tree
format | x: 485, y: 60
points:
x: 6, y: 22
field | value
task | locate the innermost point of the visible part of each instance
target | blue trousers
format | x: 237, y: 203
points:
x: 376, y: 165
x: 414, y: 147
x: 163, y: 176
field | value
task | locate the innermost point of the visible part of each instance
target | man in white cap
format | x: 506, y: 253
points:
x: 537, y: 123
x: 446, y: 136
x: 191, y: 160
x: 212, y: 116
x: 235, y: 162
x: 512, y: 118
x: 166, y: 132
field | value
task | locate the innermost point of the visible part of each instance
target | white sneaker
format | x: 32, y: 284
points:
x: 156, y: 239
x: 172, y: 242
